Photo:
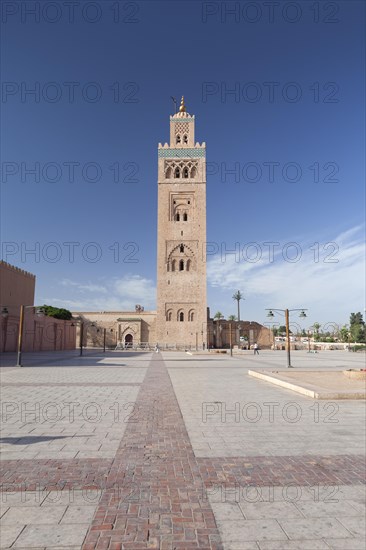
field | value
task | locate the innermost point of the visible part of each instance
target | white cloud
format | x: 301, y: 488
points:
x: 89, y: 287
x: 330, y: 284
x: 118, y: 294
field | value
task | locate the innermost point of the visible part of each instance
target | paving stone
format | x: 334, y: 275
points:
x: 227, y: 510
x: 21, y: 498
x: 314, y: 544
x: 26, y: 515
x: 34, y: 536
x: 274, y: 510
x: 346, y: 544
x: 356, y: 525
x: 358, y: 506
x: 326, y: 509
x: 78, y: 514
x: 73, y: 497
x: 244, y: 545
x: 251, y: 530
x: 298, y: 529
x: 9, y: 534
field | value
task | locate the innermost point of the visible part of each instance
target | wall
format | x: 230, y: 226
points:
x: 39, y: 333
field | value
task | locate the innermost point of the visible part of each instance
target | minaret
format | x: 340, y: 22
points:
x: 181, y: 254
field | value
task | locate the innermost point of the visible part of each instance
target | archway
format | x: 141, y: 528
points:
x: 128, y: 341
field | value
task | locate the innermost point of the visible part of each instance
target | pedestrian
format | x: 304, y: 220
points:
x: 157, y: 348
x: 256, y: 349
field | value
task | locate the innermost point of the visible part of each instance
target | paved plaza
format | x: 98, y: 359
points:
x: 141, y: 450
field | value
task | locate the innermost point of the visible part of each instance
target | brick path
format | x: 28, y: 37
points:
x: 159, y: 504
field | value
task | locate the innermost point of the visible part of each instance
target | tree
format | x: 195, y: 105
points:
x: 231, y: 318
x: 316, y: 328
x: 218, y: 315
x: 343, y: 333
x: 356, y: 319
x: 238, y: 296
x: 57, y: 312
x: 357, y: 327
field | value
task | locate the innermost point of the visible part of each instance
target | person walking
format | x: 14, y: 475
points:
x: 256, y: 349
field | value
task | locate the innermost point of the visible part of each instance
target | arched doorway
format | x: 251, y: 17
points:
x: 128, y: 341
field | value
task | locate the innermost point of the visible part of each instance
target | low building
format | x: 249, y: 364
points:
x: 130, y: 329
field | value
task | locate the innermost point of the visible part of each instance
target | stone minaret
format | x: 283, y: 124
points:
x: 181, y: 260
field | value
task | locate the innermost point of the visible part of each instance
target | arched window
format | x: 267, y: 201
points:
x: 169, y: 315
x: 185, y: 138
x: 191, y: 316
x: 168, y: 173
x: 181, y: 316
x: 193, y: 172
x: 181, y: 248
x: 173, y: 265
x: 188, y: 265
x: 178, y: 139
x: 185, y: 173
x: 177, y: 173
x: 185, y: 217
x: 181, y: 265
x: 177, y: 217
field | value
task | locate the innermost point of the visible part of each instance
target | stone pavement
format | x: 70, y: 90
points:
x: 172, y: 451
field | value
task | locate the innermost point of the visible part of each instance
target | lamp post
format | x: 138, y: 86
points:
x: 231, y: 339
x: 82, y: 323
x: 104, y: 338
x: 5, y: 315
x: 249, y: 329
x: 286, y: 312
x: 40, y: 313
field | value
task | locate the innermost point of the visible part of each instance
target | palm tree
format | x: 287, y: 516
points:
x: 316, y: 327
x: 231, y: 318
x: 238, y: 296
x: 218, y: 315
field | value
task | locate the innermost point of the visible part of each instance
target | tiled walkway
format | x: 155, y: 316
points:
x: 140, y: 484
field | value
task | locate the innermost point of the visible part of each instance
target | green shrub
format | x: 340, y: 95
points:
x: 57, y: 312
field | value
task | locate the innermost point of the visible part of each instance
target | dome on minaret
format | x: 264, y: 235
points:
x: 182, y: 113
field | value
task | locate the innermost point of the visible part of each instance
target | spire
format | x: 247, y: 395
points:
x: 182, y: 108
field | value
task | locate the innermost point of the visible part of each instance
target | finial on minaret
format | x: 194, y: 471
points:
x: 182, y: 108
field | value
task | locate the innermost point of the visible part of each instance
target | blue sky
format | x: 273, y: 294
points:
x: 278, y: 95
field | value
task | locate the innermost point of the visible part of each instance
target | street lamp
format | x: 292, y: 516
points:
x: 82, y: 323
x: 249, y: 329
x: 39, y: 313
x: 286, y: 312
x: 5, y: 315
x: 104, y: 337
x: 231, y: 339
x: 310, y: 331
